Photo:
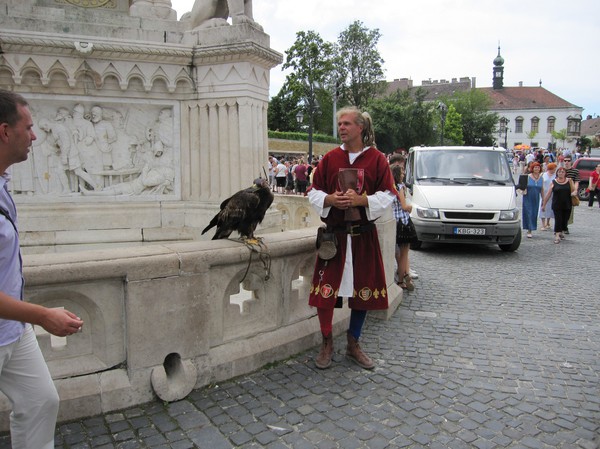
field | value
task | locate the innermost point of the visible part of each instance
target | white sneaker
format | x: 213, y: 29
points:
x: 412, y: 274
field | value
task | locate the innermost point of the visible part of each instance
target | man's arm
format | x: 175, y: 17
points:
x: 58, y: 322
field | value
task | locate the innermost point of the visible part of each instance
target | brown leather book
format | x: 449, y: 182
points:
x: 348, y: 179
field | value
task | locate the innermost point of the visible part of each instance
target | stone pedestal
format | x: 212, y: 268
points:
x: 133, y: 107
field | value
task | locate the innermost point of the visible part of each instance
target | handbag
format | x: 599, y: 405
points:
x: 574, y: 198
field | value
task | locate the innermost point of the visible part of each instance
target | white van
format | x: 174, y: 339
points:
x: 463, y: 195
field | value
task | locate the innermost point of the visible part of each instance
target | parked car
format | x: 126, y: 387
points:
x: 585, y: 165
x: 463, y: 195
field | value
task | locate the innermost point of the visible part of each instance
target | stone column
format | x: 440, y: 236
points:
x: 227, y: 144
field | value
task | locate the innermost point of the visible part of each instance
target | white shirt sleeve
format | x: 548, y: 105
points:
x: 378, y: 203
x: 317, y: 199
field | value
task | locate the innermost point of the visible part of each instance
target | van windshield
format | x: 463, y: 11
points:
x: 462, y: 165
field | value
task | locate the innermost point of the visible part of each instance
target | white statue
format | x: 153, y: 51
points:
x: 84, y: 138
x: 64, y: 133
x: 211, y: 13
x: 156, y: 178
x: 105, y: 136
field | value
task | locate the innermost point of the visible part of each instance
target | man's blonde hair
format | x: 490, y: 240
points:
x: 361, y: 118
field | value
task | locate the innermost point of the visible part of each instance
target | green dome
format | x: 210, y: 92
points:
x: 498, y: 60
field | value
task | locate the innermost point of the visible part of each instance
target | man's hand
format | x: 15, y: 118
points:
x: 356, y: 199
x: 338, y: 200
x: 60, y: 322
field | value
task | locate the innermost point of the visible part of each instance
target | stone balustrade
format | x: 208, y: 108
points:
x: 163, y: 319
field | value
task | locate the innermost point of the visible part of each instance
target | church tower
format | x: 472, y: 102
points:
x: 498, y: 80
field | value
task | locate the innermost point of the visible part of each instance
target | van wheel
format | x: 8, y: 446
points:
x: 416, y: 244
x: 583, y: 195
x: 514, y: 245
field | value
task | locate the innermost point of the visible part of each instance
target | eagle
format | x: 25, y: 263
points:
x: 242, y: 211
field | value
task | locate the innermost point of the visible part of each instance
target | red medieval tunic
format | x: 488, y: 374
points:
x: 370, y: 288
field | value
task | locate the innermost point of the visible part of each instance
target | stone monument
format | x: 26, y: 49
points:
x: 143, y: 122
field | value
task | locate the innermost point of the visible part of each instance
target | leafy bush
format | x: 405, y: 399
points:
x: 301, y: 136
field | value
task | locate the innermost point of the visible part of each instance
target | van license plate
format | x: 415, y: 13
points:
x: 469, y: 231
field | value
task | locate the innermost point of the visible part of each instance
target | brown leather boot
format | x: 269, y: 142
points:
x: 354, y: 353
x: 323, y: 360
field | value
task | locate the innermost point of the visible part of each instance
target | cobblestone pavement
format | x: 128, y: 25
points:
x: 491, y: 350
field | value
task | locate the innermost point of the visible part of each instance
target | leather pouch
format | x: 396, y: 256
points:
x: 326, y: 244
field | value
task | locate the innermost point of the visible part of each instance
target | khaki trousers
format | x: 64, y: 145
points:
x: 26, y: 381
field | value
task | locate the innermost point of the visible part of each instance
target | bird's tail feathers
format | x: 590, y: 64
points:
x: 212, y: 224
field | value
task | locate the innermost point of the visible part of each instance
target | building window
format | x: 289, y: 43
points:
x: 573, y: 126
x: 535, y: 125
x: 519, y: 125
x: 551, y: 123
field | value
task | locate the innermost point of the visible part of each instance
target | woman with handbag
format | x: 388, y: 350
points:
x: 561, y: 190
x: 594, y: 186
x: 531, y: 198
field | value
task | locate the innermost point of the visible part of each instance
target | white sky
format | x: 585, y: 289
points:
x: 551, y: 40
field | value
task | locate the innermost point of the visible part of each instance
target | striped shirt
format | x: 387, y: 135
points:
x: 573, y: 174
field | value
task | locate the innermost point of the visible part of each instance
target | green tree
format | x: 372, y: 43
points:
x: 359, y: 65
x: 531, y: 135
x: 453, y: 132
x: 281, y: 115
x: 402, y: 120
x: 478, y: 125
x: 585, y: 143
x: 311, y: 61
x: 560, y: 135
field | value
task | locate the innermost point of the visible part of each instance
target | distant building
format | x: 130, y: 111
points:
x: 590, y: 127
x: 433, y: 89
x: 521, y: 110
x: 528, y: 115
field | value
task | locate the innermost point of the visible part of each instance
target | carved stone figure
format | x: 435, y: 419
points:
x: 162, y: 133
x: 123, y: 146
x: 156, y: 178
x: 65, y: 131
x: 105, y: 136
x: 212, y: 13
x: 57, y: 144
x: 84, y: 138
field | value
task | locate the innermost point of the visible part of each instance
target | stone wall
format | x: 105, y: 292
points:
x: 163, y: 319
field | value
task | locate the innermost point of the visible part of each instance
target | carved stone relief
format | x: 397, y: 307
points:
x: 99, y: 149
x: 89, y: 3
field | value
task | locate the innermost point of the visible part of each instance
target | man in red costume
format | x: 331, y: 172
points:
x: 352, y: 187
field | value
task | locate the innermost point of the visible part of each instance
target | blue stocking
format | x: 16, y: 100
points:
x: 357, y: 319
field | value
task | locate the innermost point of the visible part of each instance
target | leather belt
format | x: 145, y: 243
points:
x: 353, y: 230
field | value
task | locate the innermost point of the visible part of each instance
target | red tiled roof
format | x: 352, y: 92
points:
x: 524, y: 98
x: 590, y: 127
